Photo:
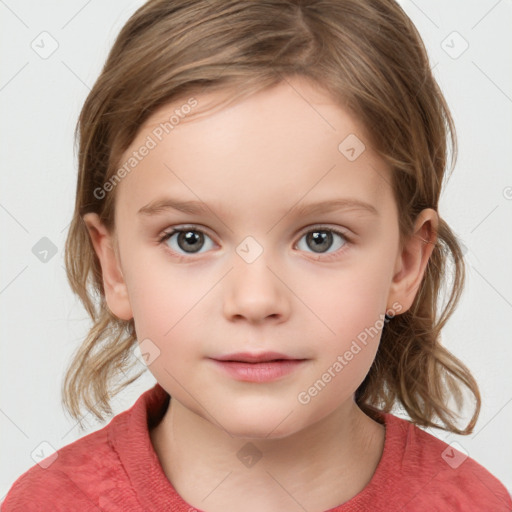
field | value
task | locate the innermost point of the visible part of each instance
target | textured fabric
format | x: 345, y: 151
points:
x: 116, y: 469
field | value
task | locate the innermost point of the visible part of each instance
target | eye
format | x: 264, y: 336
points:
x: 191, y: 240
x: 321, y: 240
x: 187, y: 241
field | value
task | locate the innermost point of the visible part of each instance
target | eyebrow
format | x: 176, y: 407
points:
x: 198, y: 207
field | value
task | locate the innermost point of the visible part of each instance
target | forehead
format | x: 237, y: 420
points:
x: 285, y: 144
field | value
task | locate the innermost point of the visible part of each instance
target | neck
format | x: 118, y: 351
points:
x: 316, y: 468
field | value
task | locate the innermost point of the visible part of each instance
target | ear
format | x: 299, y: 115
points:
x: 116, y: 293
x: 412, y: 261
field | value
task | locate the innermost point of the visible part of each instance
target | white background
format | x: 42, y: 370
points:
x: 41, y: 321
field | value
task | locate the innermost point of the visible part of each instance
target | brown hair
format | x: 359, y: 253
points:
x: 369, y: 57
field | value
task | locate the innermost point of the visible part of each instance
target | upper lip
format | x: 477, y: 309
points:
x: 248, y: 357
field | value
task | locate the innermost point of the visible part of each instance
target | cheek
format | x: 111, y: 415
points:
x: 353, y: 308
x: 350, y: 305
x: 161, y: 297
x: 172, y: 307
x: 349, y: 300
x: 165, y: 309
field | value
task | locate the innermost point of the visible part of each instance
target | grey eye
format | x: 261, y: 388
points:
x: 321, y: 240
x: 190, y: 241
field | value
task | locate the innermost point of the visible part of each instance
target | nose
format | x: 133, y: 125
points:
x: 255, y: 292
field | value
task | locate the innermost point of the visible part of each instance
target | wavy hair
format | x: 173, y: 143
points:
x: 369, y: 57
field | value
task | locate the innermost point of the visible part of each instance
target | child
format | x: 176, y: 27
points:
x: 301, y: 145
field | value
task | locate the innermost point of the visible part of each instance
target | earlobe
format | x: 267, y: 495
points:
x: 116, y: 293
x: 412, y: 261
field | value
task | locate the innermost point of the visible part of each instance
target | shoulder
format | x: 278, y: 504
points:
x: 74, y: 475
x: 34, y: 491
x: 96, y: 471
x: 437, y: 472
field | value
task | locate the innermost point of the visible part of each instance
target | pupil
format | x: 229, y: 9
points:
x: 321, y: 240
x: 190, y: 238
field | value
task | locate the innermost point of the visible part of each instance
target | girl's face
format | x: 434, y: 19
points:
x: 288, y: 243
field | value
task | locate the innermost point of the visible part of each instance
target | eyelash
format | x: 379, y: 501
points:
x: 320, y: 256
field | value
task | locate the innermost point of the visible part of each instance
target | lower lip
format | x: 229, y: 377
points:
x: 259, y: 372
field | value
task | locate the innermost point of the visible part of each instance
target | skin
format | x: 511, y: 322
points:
x: 253, y: 164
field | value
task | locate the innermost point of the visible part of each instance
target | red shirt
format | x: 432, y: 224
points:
x: 116, y: 469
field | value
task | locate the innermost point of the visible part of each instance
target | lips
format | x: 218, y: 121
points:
x: 262, y: 357
x: 257, y: 368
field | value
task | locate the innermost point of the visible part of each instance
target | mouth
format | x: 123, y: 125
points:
x: 263, y: 367
x: 263, y: 357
